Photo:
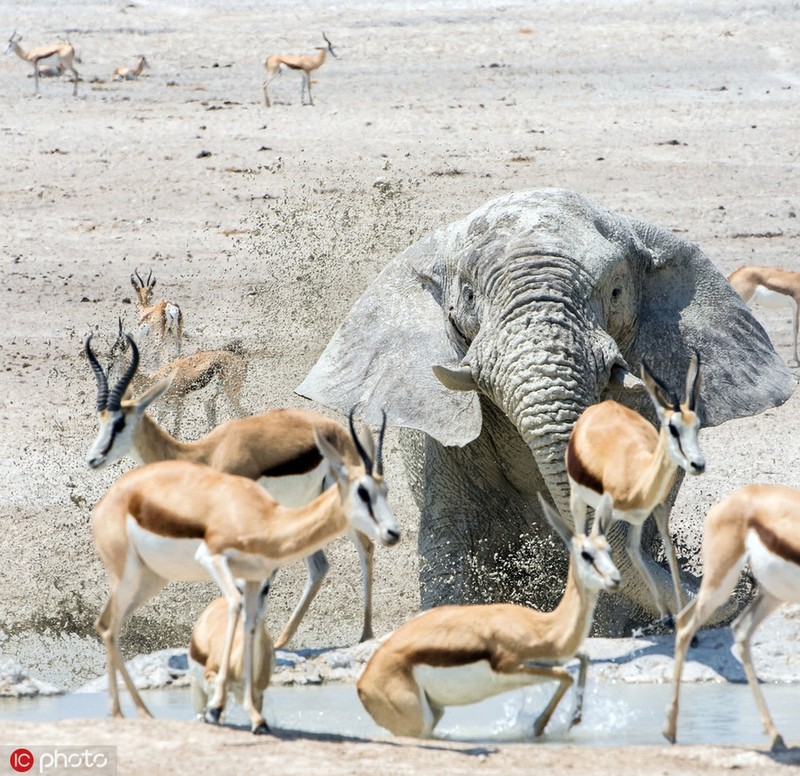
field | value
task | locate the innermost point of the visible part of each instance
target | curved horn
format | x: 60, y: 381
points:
x: 379, y: 453
x: 118, y: 391
x: 150, y: 275
x: 361, y: 451
x: 99, y: 375
x: 137, y: 277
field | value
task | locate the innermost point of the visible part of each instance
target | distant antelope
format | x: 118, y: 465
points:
x: 130, y: 73
x: 64, y: 51
x: 184, y: 521
x: 276, y: 62
x: 228, y: 366
x: 207, y: 648
x: 614, y: 450
x: 456, y: 655
x: 162, y: 319
x: 771, y: 287
x: 277, y: 449
x: 759, y: 525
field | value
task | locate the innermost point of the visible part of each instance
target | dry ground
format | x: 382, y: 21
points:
x: 680, y: 112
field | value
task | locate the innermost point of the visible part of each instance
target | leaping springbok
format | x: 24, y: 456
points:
x: 276, y: 448
x: 275, y: 63
x: 759, y: 525
x: 771, y: 287
x: 184, y: 521
x: 456, y: 655
x: 161, y: 319
x: 64, y: 51
x: 614, y: 450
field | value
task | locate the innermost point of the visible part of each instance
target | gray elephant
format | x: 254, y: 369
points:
x: 487, y: 339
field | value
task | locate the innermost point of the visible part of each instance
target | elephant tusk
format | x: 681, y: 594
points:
x: 459, y: 379
x: 623, y: 380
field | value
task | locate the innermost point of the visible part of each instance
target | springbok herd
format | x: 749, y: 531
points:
x: 51, y: 60
x: 259, y: 492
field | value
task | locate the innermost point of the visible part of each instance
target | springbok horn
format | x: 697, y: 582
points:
x: 693, y: 382
x: 99, y: 375
x: 379, y: 453
x: 138, y: 277
x: 361, y: 451
x: 118, y: 391
x: 149, y: 275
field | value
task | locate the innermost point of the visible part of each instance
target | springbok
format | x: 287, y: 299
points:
x: 130, y: 73
x: 207, y: 646
x: 184, y: 521
x: 614, y: 450
x: 275, y: 63
x: 759, y: 525
x: 277, y: 449
x: 456, y: 655
x: 771, y: 287
x: 64, y: 51
x: 160, y: 319
x: 228, y: 366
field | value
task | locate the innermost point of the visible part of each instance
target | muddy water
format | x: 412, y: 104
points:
x: 614, y: 714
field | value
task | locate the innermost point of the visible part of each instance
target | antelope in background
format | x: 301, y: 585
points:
x: 162, y: 320
x: 130, y: 73
x: 456, y: 655
x: 759, y: 525
x: 64, y: 51
x: 228, y: 366
x: 275, y: 63
x: 184, y: 521
x: 771, y: 287
x: 277, y: 449
x: 614, y: 450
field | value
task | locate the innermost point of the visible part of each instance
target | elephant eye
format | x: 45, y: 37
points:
x: 615, y: 294
x: 468, y: 294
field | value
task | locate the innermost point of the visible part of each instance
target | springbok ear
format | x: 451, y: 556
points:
x: 660, y: 396
x: 555, y: 521
x: 152, y: 394
x: 688, y: 306
x: 382, y: 355
x: 332, y: 456
x: 603, y: 515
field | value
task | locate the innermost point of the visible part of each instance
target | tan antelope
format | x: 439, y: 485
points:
x: 275, y: 63
x: 771, y: 287
x: 456, y: 655
x: 207, y: 646
x: 759, y: 525
x: 130, y: 73
x: 614, y: 450
x: 228, y: 366
x: 162, y: 320
x: 64, y: 51
x: 184, y: 521
x: 276, y: 448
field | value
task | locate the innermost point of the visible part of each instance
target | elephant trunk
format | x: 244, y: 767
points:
x: 544, y: 374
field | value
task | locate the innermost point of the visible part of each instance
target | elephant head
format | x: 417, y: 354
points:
x: 540, y: 302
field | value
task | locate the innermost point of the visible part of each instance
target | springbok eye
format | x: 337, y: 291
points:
x: 119, y: 424
x: 587, y: 557
x: 363, y: 494
x: 674, y: 431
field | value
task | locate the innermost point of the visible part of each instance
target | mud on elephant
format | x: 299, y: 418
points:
x: 532, y: 308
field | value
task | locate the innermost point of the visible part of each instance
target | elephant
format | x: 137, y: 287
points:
x: 487, y: 339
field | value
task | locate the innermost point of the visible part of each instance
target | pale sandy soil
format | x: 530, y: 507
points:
x: 683, y: 113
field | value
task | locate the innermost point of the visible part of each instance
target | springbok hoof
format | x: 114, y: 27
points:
x: 668, y: 621
x: 778, y: 744
x: 261, y: 729
x: 212, y: 715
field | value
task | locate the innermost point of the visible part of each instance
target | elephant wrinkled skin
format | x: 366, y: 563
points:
x: 531, y: 309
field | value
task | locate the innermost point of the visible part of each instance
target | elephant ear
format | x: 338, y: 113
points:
x: 687, y: 305
x: 382, y: 355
